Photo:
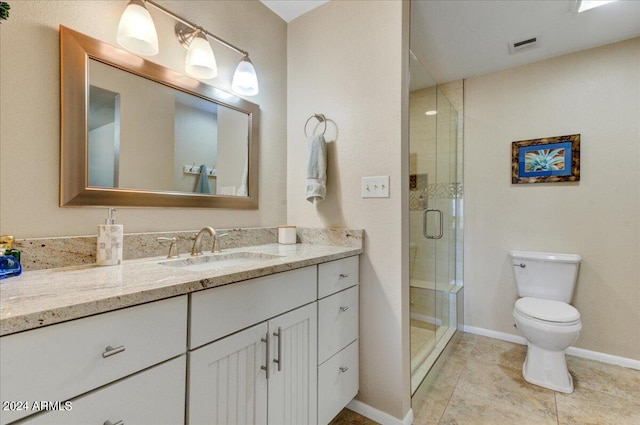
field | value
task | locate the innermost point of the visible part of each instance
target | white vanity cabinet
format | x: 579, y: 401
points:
x: 267, y: 373
x: 262, y: 375
x: 338, y: 305
x: 60, y: 362
x: 274, y: 350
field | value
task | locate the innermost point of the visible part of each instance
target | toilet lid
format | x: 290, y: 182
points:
x: 548, y: 310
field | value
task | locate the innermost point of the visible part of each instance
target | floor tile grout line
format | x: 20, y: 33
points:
x: 555, y: 399
x: 455, y: 387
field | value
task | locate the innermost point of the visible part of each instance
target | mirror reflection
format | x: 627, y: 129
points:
x: 137, y: 134
x: 193, y: 145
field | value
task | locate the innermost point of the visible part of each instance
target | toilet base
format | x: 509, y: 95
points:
x: 547, y: 369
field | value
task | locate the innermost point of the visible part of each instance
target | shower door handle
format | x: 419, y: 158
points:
x: 425, y: 216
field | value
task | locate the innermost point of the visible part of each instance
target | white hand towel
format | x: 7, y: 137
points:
x: 316, y: 183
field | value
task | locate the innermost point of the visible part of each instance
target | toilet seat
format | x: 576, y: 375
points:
x: 547, y: 311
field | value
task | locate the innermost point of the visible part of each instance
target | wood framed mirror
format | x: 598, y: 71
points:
x: 137, y: 134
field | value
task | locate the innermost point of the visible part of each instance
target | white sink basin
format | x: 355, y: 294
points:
x: 218, y: 261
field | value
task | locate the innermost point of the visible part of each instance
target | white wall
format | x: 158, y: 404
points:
x: 195, y: 143
x: 30, y: 111
x: 595, y: 93
x: 346, y: 60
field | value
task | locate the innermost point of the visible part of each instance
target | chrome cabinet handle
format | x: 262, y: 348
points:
x: 266, y: 367
x: 521, y: 265
x: 344, y: 308
x: 279, y: 360
x: 425, y: 215
x: 110, y: 351
x: 343, y: 369
x: 108, y: 422
x: 343, y: 276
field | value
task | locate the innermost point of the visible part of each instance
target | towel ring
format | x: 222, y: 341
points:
x: 320, y: 118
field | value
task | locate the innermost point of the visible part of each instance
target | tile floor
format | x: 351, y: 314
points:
x: 481, y: 383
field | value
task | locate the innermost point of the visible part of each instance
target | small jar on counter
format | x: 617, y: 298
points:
x: 287, y: 235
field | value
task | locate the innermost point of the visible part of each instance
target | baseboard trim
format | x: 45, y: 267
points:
x: 572, y: 351
x: 427, y: 319
x: 495, y: 334
x: 604, y: 357
x: 378, y: 415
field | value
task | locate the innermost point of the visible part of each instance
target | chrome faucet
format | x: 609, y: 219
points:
x: 197, y: 244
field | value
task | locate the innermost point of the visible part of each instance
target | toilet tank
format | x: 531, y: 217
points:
x: 546, y: 275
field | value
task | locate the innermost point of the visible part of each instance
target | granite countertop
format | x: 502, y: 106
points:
x: 44, y: 297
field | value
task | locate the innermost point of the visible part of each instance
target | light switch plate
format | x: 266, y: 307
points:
x: 375, y: 187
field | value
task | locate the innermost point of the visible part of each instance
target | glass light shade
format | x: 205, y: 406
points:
x: 201, y: 63
x: 245, y: 80
x: 136, y: 31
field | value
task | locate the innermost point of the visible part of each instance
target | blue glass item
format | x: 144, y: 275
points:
x: 9, y: 266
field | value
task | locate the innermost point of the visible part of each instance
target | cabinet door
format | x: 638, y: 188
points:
x: 155, y: 396
x: 293, y: 382
x: 226, y: 382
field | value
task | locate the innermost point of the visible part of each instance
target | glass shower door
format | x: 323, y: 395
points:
x: 432, y: 201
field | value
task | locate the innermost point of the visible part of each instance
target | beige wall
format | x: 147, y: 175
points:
x: 595, y: 93
x: 346, y: 60
x: 30, y: 111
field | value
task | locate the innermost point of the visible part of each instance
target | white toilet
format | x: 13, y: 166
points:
x: 545, y: 282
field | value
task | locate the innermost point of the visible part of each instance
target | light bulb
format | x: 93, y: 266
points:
x: 245, y: 80
x: 201, y: 63
x: 136, y: 31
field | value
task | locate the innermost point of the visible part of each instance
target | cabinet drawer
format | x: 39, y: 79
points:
x: 155, y: 396
x: 337, y: 322
x: 61, y: 361
x: 337, y: 275
x: 337, y: 383
x: 221, y: 311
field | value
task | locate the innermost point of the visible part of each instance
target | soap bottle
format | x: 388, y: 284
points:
x: 9, y: 266
x: 110, y: 242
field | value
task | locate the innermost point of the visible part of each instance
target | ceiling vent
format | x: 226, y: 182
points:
x: 519, y: 46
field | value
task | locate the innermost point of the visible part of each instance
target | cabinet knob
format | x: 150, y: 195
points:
x: 110, y: 351
x: 343, y: 369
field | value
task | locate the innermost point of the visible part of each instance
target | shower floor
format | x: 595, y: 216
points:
x: 423, y: 339
x: 427, y: 342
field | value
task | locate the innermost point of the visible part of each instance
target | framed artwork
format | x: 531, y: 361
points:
x: 548, y: 160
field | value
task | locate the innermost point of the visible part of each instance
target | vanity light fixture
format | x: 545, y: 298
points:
x: 200, y: 62
x: 245, y: 81
x: 136, y: 32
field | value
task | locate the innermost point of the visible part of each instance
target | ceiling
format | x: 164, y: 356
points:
x: 291, y: 9
x: 457, y: 39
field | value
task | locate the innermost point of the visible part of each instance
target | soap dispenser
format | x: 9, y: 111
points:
x: 110, y: 242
